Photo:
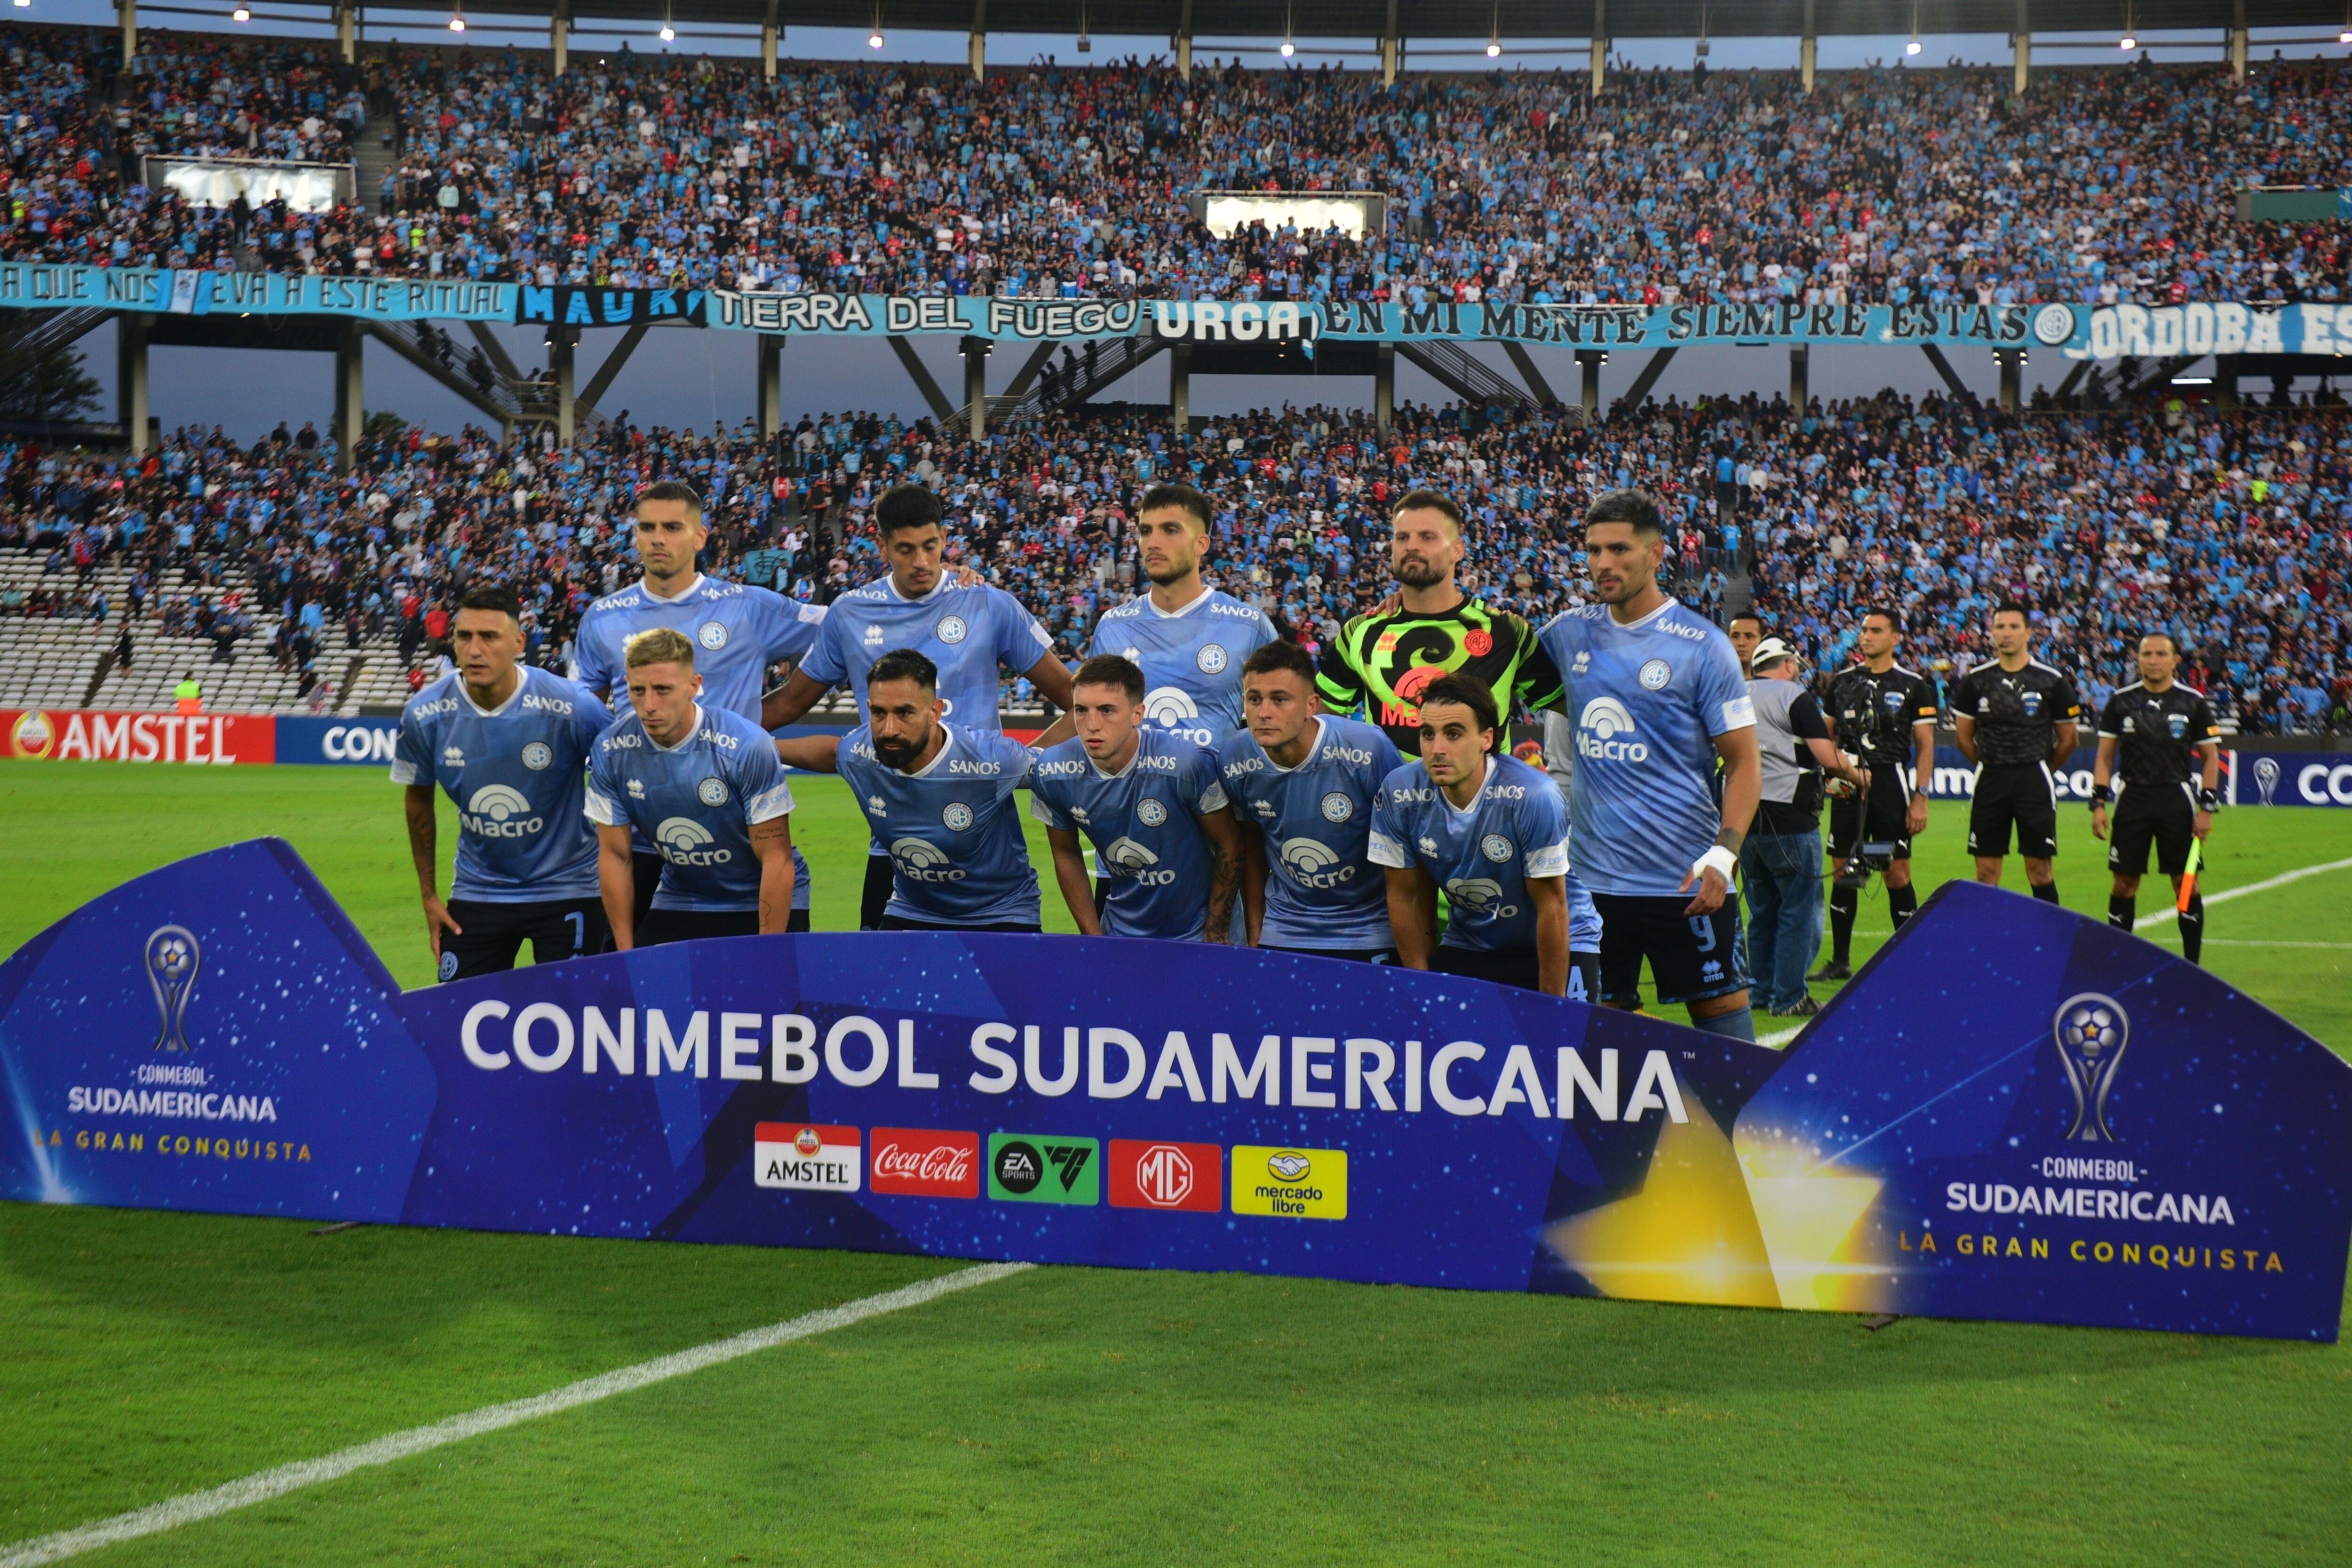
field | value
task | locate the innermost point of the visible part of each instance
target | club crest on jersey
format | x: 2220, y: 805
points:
x: 537, y: 755
x: 711, y: 635
x: 1149, y: 812
x: 958, y: 816
x: 1496, y: 847
x: 1477, y: 645
x: 1210, y: 658
x: 951, y: 629
x: 711, y: 792
x: 2177, y: 724
x: 2032, y: 702
x: 1338, y: 807
x: 448, y: 966
x: 1656, y: 673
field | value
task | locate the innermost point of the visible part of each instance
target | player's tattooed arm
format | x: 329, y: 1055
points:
x: 1225, y: 838
x: 1070, y: 874
x: 617, y: 883
x: 772, y: 841
x: 423, y: 847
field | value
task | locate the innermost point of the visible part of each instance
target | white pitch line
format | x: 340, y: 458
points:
x: 2226, y: 894
x: 2244, y: 941
x: 264, y: 1485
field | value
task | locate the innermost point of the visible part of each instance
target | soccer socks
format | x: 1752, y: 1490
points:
x: 1739, y: 1024
x: 1902, y: 902
x: 2120, y: 911
x: 2192, y: 928
x: 1844, y: 903
x: 2047, y: 892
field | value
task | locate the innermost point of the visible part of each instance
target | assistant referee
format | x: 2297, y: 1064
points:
x: 2015, y: 718
x: 2161, y: 731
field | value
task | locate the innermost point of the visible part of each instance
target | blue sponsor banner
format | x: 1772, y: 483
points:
x: 2013, y: 1113
x: 2251, y: 774
x: 357, y: 741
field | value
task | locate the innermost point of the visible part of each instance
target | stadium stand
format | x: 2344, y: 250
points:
x: 1885, y: 186
x: 289, y: 588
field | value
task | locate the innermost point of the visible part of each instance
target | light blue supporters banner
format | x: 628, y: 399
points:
x: 42, y: 286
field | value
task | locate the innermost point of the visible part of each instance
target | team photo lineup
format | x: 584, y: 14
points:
x: 1229, y: 787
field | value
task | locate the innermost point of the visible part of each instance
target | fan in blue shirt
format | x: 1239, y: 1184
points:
x: 1189, y: 640
x: 704, y: 786
x: 1492, y: 833
x: 1303, y: 783
x: 968, y: 629
x: 736, y: 631
x: 1151, y: 802
x: 940, y: 796
x: 510, y: 744
x: 1655, y: 695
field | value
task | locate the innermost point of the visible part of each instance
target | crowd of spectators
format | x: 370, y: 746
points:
x: 2231, y: 529
x: 1887, y: 185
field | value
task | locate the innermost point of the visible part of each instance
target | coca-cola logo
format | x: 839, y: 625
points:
x: 924, y: 1164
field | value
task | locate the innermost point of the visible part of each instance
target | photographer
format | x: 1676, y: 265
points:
x: 1782, y: 860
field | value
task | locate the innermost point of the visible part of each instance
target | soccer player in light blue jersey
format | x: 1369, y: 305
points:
x: 704, y: 786
x: 510, y: 744
x: 1492, y: 834
x: 738, y: 631
x: 1189, y: 640
x: 1302, y: 785
x: 939, y: 796
x: 1655, y: 695
x: 967, y: 628
x: 1151, y: 802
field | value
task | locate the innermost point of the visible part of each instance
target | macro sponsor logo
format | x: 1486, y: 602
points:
x: 803, y: 1157
x: 916, y: 1163
x: 681, y: 841
x: 923, y: 861
x: 1290, y: 1184
x: 1598, y: 730
x: 1179, y: 1176
x: 1025, y: 1168
x: 1481, y: 896
x: 501, y: 811
x: 1124, y: 857
x: 1310, y: 863
x: 1173, y: 707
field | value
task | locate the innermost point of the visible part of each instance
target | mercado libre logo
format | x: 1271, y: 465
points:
x: 1028, y: 1169
x: 1292, y: 1184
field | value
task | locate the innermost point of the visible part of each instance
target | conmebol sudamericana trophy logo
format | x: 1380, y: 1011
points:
x: 2266, y: 777
x: 2091, y: 1031
x: 173, y: 959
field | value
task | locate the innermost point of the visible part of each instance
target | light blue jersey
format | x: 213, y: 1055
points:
x: 969, y: 632
x: 737, y: 632
x: 1192, y: 660
x: 1647, y: 700
x: 696, y: 803
x: 952, y: 830
x: 1321, y: 888
x: 1481, y: 858
x: 1155, y: 863
x: 517, y: 773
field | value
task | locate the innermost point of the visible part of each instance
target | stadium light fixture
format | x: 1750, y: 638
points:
x: 1913, y: 47
x: 1085, y: 44
x: 1289, y: 47
x: 458, y: 17
x: 874, y: 39
x: 2131, y: 38
x: 1495, y: 32
x: 668, y: 33
x: 240, y: 14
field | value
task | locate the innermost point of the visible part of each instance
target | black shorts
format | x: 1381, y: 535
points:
x: 1519, y: 967
x: 2023, y: 794
x: 661, y: 926
x: 1012, y: 928
x: 1692, y: 958
x: 645, y: 868
x: 492, y: 935
x: 1353, y: 955
x: 2165, y: 818
x: 1883, y: 816
x: 881, y: 883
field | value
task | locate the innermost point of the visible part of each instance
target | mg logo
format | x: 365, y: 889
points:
x: 1604, y: 719
x: 1163, y: 1176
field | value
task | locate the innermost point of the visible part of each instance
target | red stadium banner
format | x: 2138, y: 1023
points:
x: 85, y: 735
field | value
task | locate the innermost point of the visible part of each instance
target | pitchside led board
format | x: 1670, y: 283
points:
x: 2012, y: 1113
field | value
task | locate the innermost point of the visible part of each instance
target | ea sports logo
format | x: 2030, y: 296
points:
x: 1604, y: 719
x: 951, y: 629
x: 1309, y: 864
x: 711, y: 635
x: 921, y: 860
x: 33, y: 735
x: 681, y: 841
x: 1480, y: 896
x: 1168, y: 707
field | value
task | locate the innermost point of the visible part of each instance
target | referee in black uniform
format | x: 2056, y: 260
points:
x: 2015, y: 719
x: 2163, y: 731
x: 1885, y: 714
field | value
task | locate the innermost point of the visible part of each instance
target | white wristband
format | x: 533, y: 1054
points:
x: 1717, y: 860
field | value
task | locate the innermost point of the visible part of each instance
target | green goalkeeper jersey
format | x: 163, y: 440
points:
x: 1382, y: 663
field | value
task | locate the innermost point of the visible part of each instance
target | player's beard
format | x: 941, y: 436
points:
x: 1172, y: 572
x: 1415, y: 573
x: 895, y: 754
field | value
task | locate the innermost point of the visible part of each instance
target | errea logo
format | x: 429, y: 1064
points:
x: 1604, y: 719
x: 501, y: 811
x: 681, y: 841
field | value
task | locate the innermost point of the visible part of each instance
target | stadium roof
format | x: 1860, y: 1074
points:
x: 1455, y: 19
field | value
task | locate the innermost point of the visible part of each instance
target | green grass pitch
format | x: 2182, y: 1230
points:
x: 1089, y: 1416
